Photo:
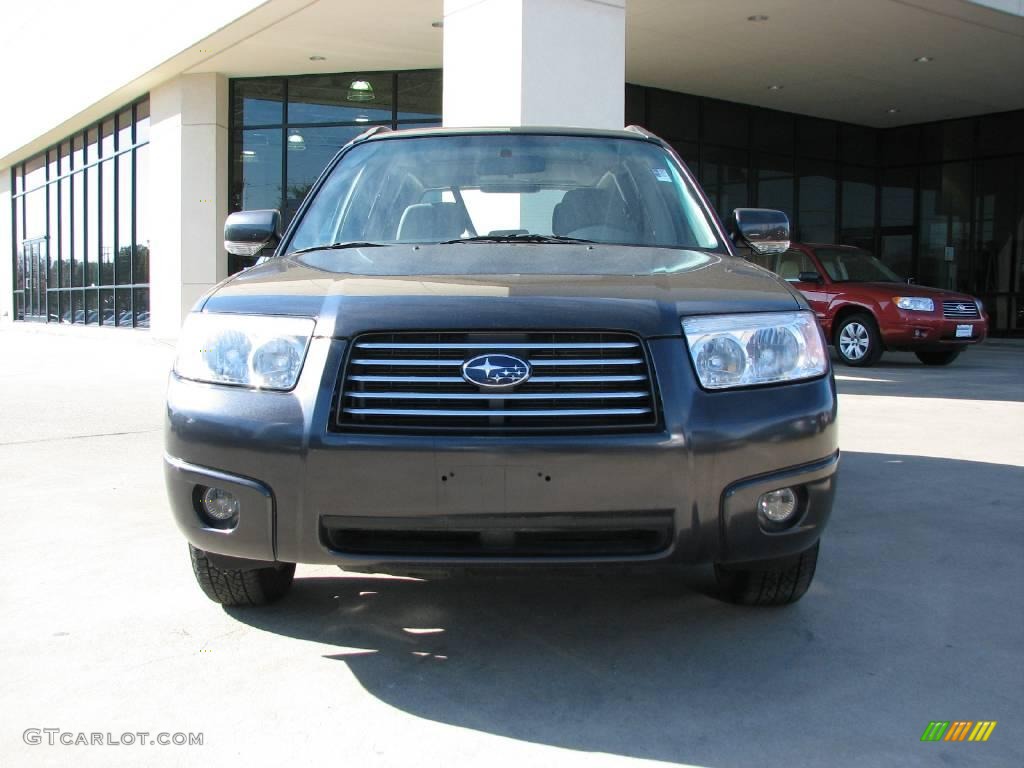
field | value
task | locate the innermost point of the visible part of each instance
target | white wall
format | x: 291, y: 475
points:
x: 187, y: 199
x: 534, y: 62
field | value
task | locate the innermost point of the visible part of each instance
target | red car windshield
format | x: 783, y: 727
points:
x: 850, y: 266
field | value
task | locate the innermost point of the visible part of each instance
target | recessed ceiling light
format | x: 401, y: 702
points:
x: 923, y: 59
x: 776, y: 87
x: 757, y: 17
x: 892, y: 110
x: 437, y: 24
x: 318, y: 58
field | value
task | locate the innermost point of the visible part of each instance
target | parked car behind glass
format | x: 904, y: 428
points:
x: 865, y: 308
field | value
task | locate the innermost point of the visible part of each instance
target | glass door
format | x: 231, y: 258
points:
x: 33, y: 272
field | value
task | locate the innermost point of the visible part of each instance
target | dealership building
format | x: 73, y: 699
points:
x: 132, y: 131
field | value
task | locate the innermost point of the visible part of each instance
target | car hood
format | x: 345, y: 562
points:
x: 498, y: 285
x: 888, y: 290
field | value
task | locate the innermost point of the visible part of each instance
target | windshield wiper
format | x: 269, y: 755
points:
x: 339, y: 246
x: 518, y: 238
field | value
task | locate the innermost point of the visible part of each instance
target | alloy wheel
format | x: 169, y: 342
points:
x: 854, y: 341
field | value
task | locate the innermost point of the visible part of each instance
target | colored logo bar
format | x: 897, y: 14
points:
x: 958, y: 730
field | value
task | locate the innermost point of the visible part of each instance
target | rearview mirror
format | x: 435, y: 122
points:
x: 246, y: 233
x: 809, y: 277
x: 764, y: 230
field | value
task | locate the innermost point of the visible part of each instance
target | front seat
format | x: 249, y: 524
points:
x: 431, y: 222
x: 589, y: 207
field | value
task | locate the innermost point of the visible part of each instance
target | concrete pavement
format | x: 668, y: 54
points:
x: 916, y: 613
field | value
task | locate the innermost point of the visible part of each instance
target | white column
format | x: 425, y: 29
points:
x: 534, y: 62
x: 7, y: 266
x: 188, y: 194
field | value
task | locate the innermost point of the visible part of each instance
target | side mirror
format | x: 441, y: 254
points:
x: 765, y: 231
x: 246, y: 233
x: 809, y: 277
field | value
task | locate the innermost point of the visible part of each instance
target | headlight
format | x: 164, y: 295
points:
x: 914, y: 303
x: 981, y: 307
x: 744, y: 350
x: 246, y: 350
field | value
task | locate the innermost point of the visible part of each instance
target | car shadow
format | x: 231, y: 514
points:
x: 988, y: 372
x: 910, y: 617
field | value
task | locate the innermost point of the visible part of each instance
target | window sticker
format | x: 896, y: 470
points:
x: 661, y: 174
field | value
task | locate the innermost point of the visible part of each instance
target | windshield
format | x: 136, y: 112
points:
x: 850, y: 266
x: 508, y: 187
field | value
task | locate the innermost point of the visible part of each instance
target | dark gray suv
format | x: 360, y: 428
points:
x: 502, y: 347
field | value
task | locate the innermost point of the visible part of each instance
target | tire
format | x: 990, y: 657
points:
x: 241, y: 586
x: 768, y: 582
x: 857, y: 340
x: 942, y: 357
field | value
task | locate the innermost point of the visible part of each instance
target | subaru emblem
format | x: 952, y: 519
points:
x: 496, y: 371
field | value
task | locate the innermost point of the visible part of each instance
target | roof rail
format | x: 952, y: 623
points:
x: 372, y: 131
x: 643, y: 132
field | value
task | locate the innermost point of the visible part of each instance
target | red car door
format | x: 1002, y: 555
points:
x: 797, y: 267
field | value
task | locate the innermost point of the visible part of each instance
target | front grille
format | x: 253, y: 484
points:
x: 534, y: 535
x: 413, y: 382
x: 960, y: 309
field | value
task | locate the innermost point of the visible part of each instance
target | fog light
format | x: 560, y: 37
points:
x: 220, y: 506
x: 777, y: 507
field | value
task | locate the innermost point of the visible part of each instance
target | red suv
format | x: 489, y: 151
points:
x: 865, y: 308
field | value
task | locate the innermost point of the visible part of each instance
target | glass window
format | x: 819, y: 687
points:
x: 142, y: 122
x: 859, y: 145
x: 141, y: 297
x: 816, y: 138
x: 107, y: 137
x: 140, y: 260
x: 258, y: 102
x: 817, y: 215
x: 77, y: 152
x: 339, y: 98
x: 124, y: 129
x: 943, y: 229
x: 92, y: 225
x: 35, y: 172
x: 123, y: 258
x: 773, y: 131
x: 950, y: 140
x: 53, y: 232
x: 725, y: 123
x: 995, y: 214
x: 635, y: 108
x: 774, y: 174
x: 1001, y: 134
x: 723, y: 175
x: 898, y: 197
x: 123, y: 307
x: 900, y: 146
x: 92, y: 147
x: 35, y: 214
x: 673, y: 116
x: 434, y: 189
x: 419, y: 95
x: 845, y: 265
x: 857, y: 217
x: 78, y: 229
x: 108, y: 213
x: 65, y: 232
x: 309, y: 151
x: 257, y: 171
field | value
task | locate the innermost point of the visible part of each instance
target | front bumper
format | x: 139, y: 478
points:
x: 922, y: 331
x: 696, y: 478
